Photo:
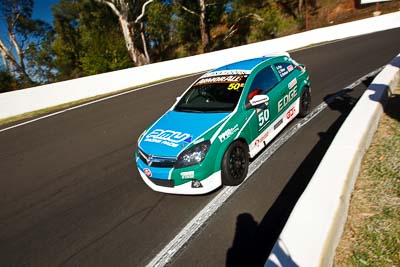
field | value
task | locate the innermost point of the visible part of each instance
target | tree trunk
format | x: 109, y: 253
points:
x: 301, y: 8
x: 137, y: 57
x: 13, y: 63
x: 205, y: 35
x: 3, y: 57
x: 144, y: 43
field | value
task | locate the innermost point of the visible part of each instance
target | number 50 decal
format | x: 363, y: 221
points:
x: 263, y: 118
x: 235, y: 86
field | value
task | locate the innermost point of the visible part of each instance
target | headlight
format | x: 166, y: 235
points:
x: 193, y: 155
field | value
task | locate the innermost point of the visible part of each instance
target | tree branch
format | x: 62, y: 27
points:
x: 190, y: 11
x: 233, y: 28
x: 112, y: 6
x: 8, y: 56
x: 143, y: 10
x: 16, y: 47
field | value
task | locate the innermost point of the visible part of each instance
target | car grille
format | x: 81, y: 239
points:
x: 163, y: 182
x: 154, y: 161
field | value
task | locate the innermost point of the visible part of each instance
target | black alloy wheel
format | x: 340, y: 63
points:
x: 235, y: 164
x: 305, y: 102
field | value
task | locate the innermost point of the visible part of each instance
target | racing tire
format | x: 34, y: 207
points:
x: 235, y: 164
x: 305, y: 102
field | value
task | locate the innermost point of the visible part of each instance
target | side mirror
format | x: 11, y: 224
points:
x: 257, y: 100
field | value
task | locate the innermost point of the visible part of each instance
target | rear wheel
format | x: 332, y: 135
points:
x: 235, y: 164
x: 305, y: 102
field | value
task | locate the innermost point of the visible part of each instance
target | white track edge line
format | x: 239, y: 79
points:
x: 179, y: 241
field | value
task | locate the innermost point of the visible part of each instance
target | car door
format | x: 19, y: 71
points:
x: 263, y: 116
x: 288, y: 82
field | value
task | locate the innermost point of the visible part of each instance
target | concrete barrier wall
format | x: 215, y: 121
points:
x: 27, y: 100
x: 315, y: 226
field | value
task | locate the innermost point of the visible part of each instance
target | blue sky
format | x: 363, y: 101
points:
x: 42, y: 10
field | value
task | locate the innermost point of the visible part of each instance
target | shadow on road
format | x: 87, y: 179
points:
x: 381, y: 91
x: 253, y: 241
x: 392, y: 108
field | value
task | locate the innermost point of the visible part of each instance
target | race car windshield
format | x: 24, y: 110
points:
x: 213, y: 94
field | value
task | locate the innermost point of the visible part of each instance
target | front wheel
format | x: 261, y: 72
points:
x: 305, y: 102
x: 235, y: 164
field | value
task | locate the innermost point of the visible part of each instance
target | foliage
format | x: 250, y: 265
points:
x: 94, y: 36
x: 7, y: 82
x: 67, y: 47
x: 39, y: 59
x: 161, y: 31
x: 252, y: 21
x: 102, y: 44
x: 87, y: 40
x: 24, y: 39
x: 188, y: 24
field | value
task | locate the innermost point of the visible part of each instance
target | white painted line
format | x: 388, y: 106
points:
x: 183, y: 237
x: 93, y: 102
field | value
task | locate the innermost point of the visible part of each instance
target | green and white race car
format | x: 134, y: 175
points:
x: 225, y: 117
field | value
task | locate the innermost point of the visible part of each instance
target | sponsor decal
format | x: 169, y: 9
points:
x: 290, y: 113
x: 226, y: 72
x: 278, y: 124
x: 259, y: 99
x: 287, y: 98
x: 228, y: 133
x: 167, y: 137
x: 260, y: 140
x: 290, y: 68
x: 187, y: 175
x: 292, y: 83
x: 235, y: 86
x: 282, y: 70
x: 263, y: 118
x: 220, y: 79
x: 147, y: 172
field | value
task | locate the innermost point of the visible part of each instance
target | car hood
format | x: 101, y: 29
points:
x: 174, y: 131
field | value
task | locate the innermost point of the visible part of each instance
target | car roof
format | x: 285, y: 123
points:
x: 245, y: 65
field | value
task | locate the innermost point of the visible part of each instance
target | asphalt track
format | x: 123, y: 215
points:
x: 70, y: 193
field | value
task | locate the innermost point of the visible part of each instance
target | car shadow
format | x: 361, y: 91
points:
x: 390, y: 104
x: 382, y: 94
x: 392, y: 107
x: 254, y: 241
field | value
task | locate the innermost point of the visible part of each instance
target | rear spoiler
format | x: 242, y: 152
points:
x: 277, y: 54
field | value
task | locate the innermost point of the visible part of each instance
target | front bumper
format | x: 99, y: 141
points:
x: 165, y: 178
x: 209, y: 184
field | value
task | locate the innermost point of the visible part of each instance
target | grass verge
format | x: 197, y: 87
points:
x: 372, y: 231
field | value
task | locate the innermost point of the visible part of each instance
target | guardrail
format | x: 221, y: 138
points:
x: 314, y: 228
x: 40, y: 97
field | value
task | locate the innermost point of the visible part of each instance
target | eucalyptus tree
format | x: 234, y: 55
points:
x: 87, y: 39
x: 160, y: 31
x: 23, y: 36
x: 130, y: 14
x: 256, y: 20
x: 197, y: 20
